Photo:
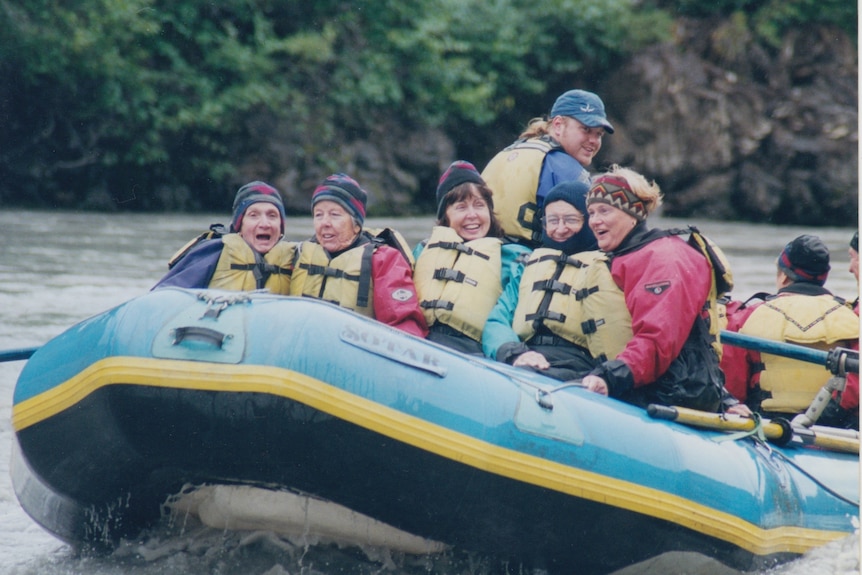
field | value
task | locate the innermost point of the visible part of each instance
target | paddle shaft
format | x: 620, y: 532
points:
x: 780, y: 433
x: 17, y: 354
x: 838, y: 361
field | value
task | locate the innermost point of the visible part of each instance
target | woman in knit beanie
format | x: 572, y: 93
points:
x: 250, y: 256
x: 465, y: 264
x: 351, y: 267
x: 528, y: 326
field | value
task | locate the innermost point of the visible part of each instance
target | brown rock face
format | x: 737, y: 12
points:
x: 731, y: 130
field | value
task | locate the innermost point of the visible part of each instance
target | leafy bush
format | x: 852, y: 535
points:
x: 106, y: 101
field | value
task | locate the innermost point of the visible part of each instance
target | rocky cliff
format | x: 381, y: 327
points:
x: 736, y: 131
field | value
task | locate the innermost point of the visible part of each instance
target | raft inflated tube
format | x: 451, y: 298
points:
x: 839, y: 360
x: 777, y: 431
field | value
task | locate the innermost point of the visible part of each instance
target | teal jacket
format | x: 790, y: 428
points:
x: 498, y: 329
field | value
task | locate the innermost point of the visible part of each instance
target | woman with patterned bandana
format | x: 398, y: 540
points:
x: 663, y: 284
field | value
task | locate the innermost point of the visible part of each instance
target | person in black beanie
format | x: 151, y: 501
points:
x: 464, y: 266
x: 801, y: 312
x: 250, y: 255
x: 527, y: 327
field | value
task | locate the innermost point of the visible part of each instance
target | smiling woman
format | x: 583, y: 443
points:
x: 535, y: 323
x: 464, y: 266
x: 656, y: 286
x: 251, y: 256
x: 365, y: 272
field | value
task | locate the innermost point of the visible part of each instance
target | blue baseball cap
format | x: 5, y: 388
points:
x: 585, y: 107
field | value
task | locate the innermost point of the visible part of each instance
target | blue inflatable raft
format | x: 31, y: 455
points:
x: 182, y: 388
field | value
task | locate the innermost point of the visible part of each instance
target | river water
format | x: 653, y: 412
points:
x: 57, y: 268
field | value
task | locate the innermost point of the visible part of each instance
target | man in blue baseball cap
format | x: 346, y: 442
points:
x: 550, y: 151
x: 583, y: 106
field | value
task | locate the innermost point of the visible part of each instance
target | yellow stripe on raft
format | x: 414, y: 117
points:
x: 421, y: 434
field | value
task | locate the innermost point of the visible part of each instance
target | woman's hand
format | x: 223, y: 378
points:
x: 531, y: 359
x: 739, y: 409
x: 595, y: 384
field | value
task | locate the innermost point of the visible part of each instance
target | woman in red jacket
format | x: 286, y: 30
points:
x: 663, y: 284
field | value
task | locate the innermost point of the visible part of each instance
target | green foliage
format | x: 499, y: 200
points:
x: 772, y: 18
x: 777, y: 16
x: 126, y: 96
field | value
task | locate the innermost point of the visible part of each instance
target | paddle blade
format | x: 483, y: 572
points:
x: 17, y: 354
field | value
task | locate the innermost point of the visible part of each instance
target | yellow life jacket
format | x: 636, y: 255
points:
x: 241, y: 268
x: 458, y: 282
x: 607, y: 322
x: 576, y: 298
x: 345, y: 280
x: 545, y: 296
x: 813, y: 321
x: 513, y: 175
x: 215, y: 231
x: 393, y: 238
x: 720, y: 286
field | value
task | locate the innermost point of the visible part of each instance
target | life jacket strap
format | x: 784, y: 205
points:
x: 552, y: 315
x: 591, y: 325
x: 583, y: 293
x: 437, y: 304
x: 458, y: 247
x: 552, y: 285
x: 364, y: 278
x: 447, y: 274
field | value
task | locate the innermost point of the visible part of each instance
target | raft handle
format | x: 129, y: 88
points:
x: 194, y: 333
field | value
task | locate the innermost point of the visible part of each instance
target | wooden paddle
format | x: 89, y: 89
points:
x: 778, y: 431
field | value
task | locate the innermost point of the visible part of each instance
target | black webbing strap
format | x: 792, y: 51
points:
x: 552, y: 315
x: 365, y: 275
x: 552, y: 286
x: 591, y: 325
x: 584, y: 292
x: 447, y: 274
x: 458, y: 247
x: 437, y: 304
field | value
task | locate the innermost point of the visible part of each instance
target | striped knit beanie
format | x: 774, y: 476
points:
x: 345, y: 191
x: 252, y: 193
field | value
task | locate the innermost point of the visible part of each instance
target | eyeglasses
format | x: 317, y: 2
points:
x: 569, y: 221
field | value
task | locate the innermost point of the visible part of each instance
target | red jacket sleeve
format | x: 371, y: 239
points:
x: 395, y: 300
x: 850, y: 396
x: 666, y: 284
x: 737, y: 362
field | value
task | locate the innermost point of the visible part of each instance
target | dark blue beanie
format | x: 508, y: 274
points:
x: 575, y: 194
x: 805, y: 259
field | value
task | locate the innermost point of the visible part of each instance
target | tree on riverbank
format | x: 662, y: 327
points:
x: 153, y: 105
